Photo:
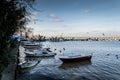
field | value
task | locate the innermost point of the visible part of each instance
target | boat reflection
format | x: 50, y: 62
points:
x: 75, y: 64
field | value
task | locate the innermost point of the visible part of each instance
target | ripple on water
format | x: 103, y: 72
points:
x: 101, y: 67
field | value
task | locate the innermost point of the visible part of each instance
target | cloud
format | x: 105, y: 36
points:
x: 34, y: 13
x: 55, y: 18
x: 33, y: 17
x: 58, y: 20
x: 39, y: 20
x: 52, y: 16
x: 87, y: 11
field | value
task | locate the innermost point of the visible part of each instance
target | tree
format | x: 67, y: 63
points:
x: 13, y: 16
x: 29, y: 32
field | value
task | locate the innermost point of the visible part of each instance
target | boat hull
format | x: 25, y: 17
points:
x: 76, y: 59
x: 39, y: 53
x: 29, y: 64
x: 28, y: 55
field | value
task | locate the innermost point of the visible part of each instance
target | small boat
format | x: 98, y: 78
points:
x: 75, y: 58
x: 32, y: 46
x: 39, y: 53
x: 29, y: 44
x: 28, y: 64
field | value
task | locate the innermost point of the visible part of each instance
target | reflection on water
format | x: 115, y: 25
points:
x: 103, y: 66
x: 75, y: 64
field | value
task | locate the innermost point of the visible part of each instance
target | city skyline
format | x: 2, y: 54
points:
x: 76, y: 17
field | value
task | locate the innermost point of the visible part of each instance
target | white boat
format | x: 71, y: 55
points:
x: 31, y: 45
x: 75, y: 58
x: 28, y: 64
x: 39, y: 53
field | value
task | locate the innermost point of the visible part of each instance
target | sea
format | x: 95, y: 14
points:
x: 104, y: 65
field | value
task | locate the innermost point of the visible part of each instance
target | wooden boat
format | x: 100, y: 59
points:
x: 28, y: 64
x: 75, y: 58
x: 39, y: 53
x: 29, y: 44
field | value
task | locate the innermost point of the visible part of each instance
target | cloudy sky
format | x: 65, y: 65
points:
x: 76, y: 17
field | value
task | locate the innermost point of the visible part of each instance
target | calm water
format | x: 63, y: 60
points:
x: 105, y: 63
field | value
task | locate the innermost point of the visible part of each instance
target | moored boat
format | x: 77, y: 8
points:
x: 28, y: 64
x: 39, y: 53
x: 31, y: 44
x: 75, y: 58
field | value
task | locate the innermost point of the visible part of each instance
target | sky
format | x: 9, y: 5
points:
x: 78, y: 18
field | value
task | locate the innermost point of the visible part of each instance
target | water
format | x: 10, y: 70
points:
x: 105, y: 63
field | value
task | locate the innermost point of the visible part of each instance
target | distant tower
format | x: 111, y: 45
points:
x: 103, y: 34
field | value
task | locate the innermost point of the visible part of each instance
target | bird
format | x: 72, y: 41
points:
x: 116, y: 56
x: 64, y: 49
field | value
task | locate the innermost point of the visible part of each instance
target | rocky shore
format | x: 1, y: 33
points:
x: 10, y: 72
